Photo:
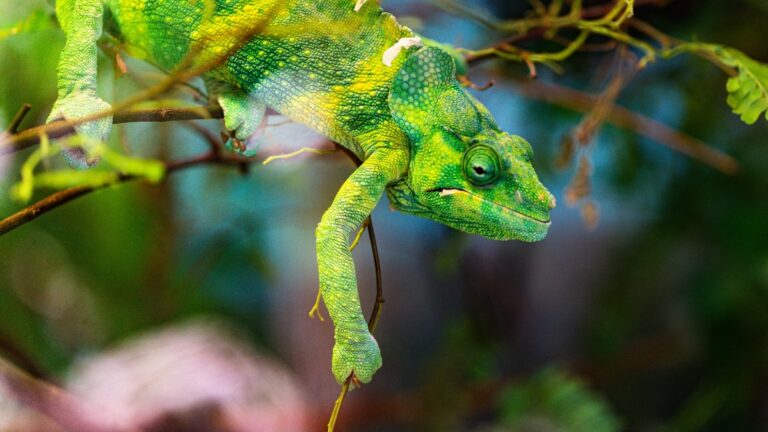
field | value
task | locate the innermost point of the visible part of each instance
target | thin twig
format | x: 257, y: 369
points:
x: 624, y: 69
x: 546, y: 26
x: 43, y: 206
x: 184, y: 71
x: 214, y: 142
x: 378, y: 305
x: 60, y: 198
x: 18, y: 118
x: 373, y: 320
x: 627, y: 119
x: 16, y: 353
x: 61, y: 128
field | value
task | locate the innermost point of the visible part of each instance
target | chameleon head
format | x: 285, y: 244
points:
x: 464, y: 172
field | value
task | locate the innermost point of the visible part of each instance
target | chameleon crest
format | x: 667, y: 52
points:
x: 350, y: 71
x: 464, y: 171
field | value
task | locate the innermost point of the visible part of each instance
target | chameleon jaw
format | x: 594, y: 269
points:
x: 444, y: 192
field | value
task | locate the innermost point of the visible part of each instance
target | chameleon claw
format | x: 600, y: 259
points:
x: 316, y: 308
x: 356, y: 381
x: 358, y: 236
x: 238, y: 146
x: 359, y: 5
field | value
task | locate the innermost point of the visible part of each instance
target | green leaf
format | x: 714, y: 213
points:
x: 152, y: 170
x: 36, y: 21
x: 748, y: 89
x: 149, y: 169
x: 66, y: 178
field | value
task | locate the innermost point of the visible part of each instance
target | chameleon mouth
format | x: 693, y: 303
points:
x: 452, y: 191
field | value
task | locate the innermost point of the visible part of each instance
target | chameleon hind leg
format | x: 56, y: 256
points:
x: 244, y: 116
x: 81, y: 21
x: 355, y: 351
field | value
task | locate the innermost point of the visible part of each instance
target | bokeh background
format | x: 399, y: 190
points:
x: 183, y: 306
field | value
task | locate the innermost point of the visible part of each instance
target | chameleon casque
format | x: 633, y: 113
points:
x: 352, y: 73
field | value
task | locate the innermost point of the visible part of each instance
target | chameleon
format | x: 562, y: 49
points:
x: 350, y: 72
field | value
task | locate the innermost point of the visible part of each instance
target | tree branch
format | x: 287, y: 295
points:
x: 603, y: 19
x: 56, y: 404
x: 19, y: 355
x: 18, y: 118
x: 16, y: 142
x: 626, y: 119
x: 62, y: 197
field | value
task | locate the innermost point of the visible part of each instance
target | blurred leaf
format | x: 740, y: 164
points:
x: 68, y: 178
x: 36, y: 21
x: 149, y: 169
x: 152, y: 170
x: 552, y: 400
x: 748, y: 90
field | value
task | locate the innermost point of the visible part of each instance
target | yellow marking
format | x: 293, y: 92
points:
x: 317, y: 109
x: 132, y: 17
x: 213, y: 43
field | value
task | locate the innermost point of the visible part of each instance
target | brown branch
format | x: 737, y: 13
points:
x: 62, y: 197
x: 625, y: 66
x: 18, y: 118
x: 61, y: 407
x: 626, y: 119
x: 600, y: 10
x: 12, y: 350
x: 45, y: 205
x: 59, y: 129
x: 543, y: 29
x: 503, y: 45
x: 185, y: 70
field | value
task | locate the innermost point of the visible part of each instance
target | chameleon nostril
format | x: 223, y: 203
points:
x: 552, y: 201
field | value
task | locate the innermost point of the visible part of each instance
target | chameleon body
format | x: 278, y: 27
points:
x: 352, y: 73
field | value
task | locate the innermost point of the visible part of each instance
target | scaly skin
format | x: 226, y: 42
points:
x: 423, y: 139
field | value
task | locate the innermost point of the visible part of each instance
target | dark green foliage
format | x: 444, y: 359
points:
x: 552, y: 400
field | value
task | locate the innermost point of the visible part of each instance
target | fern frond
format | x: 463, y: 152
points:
x: 748, y: 89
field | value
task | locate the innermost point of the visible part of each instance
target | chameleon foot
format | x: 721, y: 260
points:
x: 244, y: 119
x: 361, y: 358
x: 240, y: 147
x: 78, y: 106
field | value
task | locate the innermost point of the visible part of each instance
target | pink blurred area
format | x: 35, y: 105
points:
x: 196, y: 376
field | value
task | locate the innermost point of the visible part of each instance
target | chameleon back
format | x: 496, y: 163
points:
x: 319, y: 63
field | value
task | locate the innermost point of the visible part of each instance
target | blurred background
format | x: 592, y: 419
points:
x: 183, y: 306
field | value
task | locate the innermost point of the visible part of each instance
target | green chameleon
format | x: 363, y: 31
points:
x: 352, y: 73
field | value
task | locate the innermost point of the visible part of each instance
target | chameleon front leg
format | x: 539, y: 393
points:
x: 244, y: 115
x: 81, y: 20
x: 355, y: 351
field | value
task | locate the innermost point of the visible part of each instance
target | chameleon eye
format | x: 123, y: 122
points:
x: 481, y: 165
